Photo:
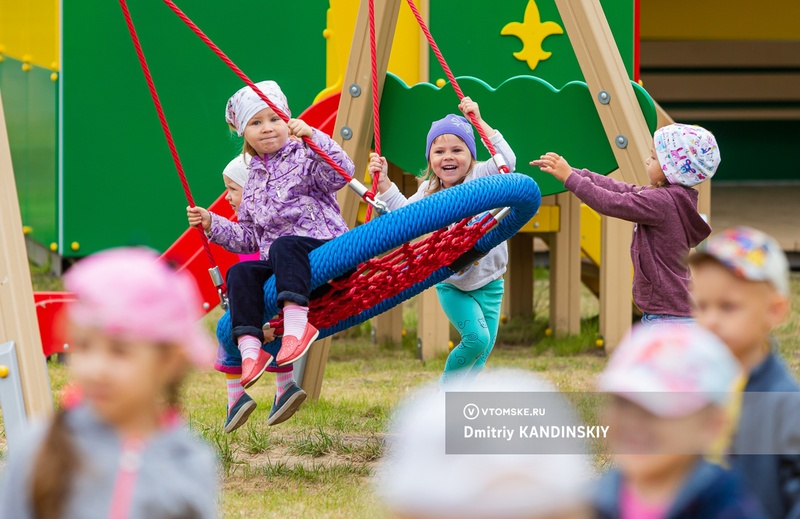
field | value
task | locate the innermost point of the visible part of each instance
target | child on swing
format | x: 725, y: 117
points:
x: 240, y: 404
x: 288, y: 209
x: 471, y: 298
x: 665, y: 213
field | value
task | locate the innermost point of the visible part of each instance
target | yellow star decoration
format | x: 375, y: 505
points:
x: 532, y: 32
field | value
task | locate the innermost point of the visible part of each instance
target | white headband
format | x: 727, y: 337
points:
x: 246, y: 103
x: 237, y: 171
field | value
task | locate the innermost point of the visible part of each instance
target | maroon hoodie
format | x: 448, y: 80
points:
x: 667, y: 226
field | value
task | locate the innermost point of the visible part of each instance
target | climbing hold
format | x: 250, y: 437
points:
x: 3, y: 371
x: 326, y: 33
x: 54, y: 246
x: 26, y: 67
x: 440, y: 82
x: 450, y: 346
x: 27, y: 229
x: 75, y: 246
x: 54, y: 76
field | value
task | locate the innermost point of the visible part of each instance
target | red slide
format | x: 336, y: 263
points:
x: 186, y: 253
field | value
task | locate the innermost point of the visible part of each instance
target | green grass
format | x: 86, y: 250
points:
x: 318, y: 464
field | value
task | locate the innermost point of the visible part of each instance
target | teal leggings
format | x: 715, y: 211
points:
x: 476, y: 315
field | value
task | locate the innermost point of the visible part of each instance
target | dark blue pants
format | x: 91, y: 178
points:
x: 288, y: 260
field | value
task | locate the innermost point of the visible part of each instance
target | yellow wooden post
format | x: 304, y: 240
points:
x: 630, y: 140
x: 565, y: 268
x: 519, y: 276
x: 388, y: 326
x: 17, y: 312
x: 433, y: 327
x: 353, y: 131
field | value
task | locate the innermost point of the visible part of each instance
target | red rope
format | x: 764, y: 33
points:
x: 451, y: 77
x: 373, y: 53
x: 311, y: 144
x: 373, y: 56
x: 164, y: 126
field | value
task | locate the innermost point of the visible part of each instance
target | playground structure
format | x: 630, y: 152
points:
x: 603, y: 70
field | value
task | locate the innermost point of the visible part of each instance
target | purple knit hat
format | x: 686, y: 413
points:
x: 455, y: 125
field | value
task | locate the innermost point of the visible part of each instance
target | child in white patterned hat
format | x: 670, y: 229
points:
x: 741, y: 291
x: 288, y: 209
x: 669, y: 387
x: 665, y: 213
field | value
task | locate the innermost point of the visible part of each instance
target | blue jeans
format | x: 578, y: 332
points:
x: 476, y: 316
x: 651, y: 319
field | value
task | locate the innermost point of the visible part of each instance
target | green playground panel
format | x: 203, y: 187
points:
x: 532, y: 115
x: 487, y: 54
x: 120, y: 184
x: 29, y: 102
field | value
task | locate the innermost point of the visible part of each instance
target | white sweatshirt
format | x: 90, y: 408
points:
x: 493, y: 265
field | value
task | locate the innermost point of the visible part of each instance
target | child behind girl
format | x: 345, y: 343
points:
x: 121, y: 450
x: 669, y: 388
x: 288, y: 209
x: 471, y: 299
x: 665, y: 214
x: 240, y: 404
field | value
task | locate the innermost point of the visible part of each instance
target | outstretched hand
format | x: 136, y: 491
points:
x: 378, y: 164
x: 554, y: 164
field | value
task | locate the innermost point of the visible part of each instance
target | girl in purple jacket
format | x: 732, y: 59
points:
x: 665, y: 214
x: 288, y: 209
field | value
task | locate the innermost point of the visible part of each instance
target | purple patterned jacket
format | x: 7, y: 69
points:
x: 291, y: 193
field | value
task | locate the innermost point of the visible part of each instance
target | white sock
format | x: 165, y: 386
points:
x: 294, y: 320
x: 249, y: 346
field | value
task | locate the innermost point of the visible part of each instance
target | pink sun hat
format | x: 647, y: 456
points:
x: 128, y: 292
x: 672, y: 371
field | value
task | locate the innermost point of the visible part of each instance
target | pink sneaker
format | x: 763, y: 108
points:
x: 253, y: 369
x: 293, y: 348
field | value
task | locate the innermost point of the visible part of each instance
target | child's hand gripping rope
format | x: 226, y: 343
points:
x: 378, y: 164
x: 199, y: 216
